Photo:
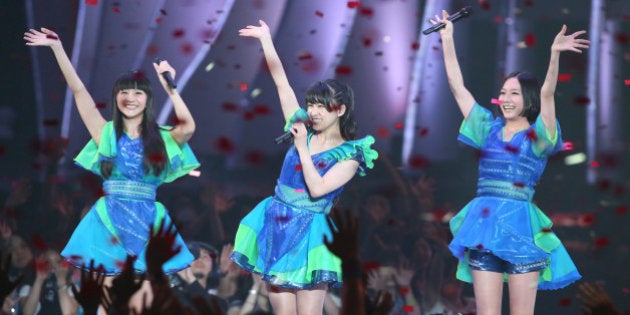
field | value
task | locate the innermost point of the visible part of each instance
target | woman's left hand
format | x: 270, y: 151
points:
x: 564, y: 42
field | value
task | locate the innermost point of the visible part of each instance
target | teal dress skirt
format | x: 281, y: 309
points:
x: 281, y: 239
x: 119, y: 223
x: 502, y: 219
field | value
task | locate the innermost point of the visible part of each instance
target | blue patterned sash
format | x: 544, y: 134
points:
x: 129, y: 189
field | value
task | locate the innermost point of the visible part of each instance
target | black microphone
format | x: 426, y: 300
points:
x: 466, y: 11
x: 285, y: 138
x: 166, y: 74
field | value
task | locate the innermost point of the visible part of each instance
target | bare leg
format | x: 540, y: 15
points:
x: 488, y: 287
x: 283, y: 301
x: 311, y: 302
x: 523, y: 288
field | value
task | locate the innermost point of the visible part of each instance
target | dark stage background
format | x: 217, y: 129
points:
x: 401, y: 92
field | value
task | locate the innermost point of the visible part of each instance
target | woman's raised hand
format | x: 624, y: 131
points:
x: 44, y: 38
x: 448, y: 29
x: 255, y: 31
x: 564, y: 42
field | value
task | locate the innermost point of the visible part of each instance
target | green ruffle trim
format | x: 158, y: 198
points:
x: 299, y: 115
x: 362, y: 148
x: 181, y: 158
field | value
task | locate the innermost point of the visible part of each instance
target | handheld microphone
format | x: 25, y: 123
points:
x: 287, y: 137
x: 466, y: 11
x: 166, y: 74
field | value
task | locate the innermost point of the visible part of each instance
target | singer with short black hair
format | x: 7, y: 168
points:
x: 501, y: 235
x: 133, y: 155
x: 282, y: 238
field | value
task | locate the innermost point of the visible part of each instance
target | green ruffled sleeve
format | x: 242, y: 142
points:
x: 299, y: 115
x: 91, y: 155
x: 476, y: 127
x: 181, y: 158
x: 359, y: 150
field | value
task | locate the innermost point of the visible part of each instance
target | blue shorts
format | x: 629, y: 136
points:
x: 484, y: 260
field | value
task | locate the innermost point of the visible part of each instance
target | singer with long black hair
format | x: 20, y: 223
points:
x: 134, y: 156
x: 501, y: 235
x: 282, y: 237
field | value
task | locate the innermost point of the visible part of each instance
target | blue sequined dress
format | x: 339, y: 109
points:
x: 118, y: 223
x: 502, y: 218
x: 282, y: 237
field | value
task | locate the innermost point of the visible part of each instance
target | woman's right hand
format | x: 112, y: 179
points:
x: 255, y: 31
x: 44, y: 38
x: 448, y: 29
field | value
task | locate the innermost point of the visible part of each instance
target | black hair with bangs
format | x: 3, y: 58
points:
x: 332, y: 94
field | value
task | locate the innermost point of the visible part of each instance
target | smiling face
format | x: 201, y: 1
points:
x: 321, y: 118
x: 511, y: 97
x: 131, y: 102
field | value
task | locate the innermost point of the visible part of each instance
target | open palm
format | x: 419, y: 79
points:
x: 44, y: 38
x: 564, y: 42
x: 255, y: 31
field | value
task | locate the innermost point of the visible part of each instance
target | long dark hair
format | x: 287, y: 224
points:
x: 530, y: 89
x: 154, y: 151
x: 332, y: 94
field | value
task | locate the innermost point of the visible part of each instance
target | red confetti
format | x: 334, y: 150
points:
x: 179, y: 33
x: 101, y: 105
x: 243, y: 86
x: 370, y: 265
x: 418, y: 162
x: 186, y: 48
x: 622, y: 209
x: 225, y: 145
x: 587, y: 219
x: 423, y: 132
x: 366, y: 12
x: 415, y: 46
x: 495, y: 101
x: 247, y: 116
x: 626, y: 82
x: 113, y: 240
x: 282, y: 219
x: 511, y: 149
x: 601, y: 242
x: 91, y: 2
x: 319, y: 13
x: 305, y: 55
x: 298, y: 167
x: 39, y: 243
x: 485, y: 212
x: 530, y: 40
x: 564, y: 302
x: 398, y: 125
x: 519, y: 184
x: 567, y: 146
x: 407, y: 308
x: 382, y: 132
x: 479, y: 247
x: 116, y: 9
x: 484, y: 4
x: 403, y: 290
x: 343, y: 70
x: 367, y: 42
x: 354, y: 4
x: 321, y: 165
x: 52, y: 36
x: 120, y: 264
x: 582, y: 100
x: 528, y: 3
x: 564, y: 77
x: 163, y: 12
x: 41, y: 265
x: 261, y: 109
x: 594, y: 164
x: 622, y: 38
x: 229, y: 107
x: 546, y: 230
x: 498, y: 19
x: 255, y: 157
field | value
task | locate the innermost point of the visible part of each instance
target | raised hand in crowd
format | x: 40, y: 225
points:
x: 383, y: 303
x: 91, y: 291
x: 595, y: 300
x: 124, y: 286
x: 159, y: 250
